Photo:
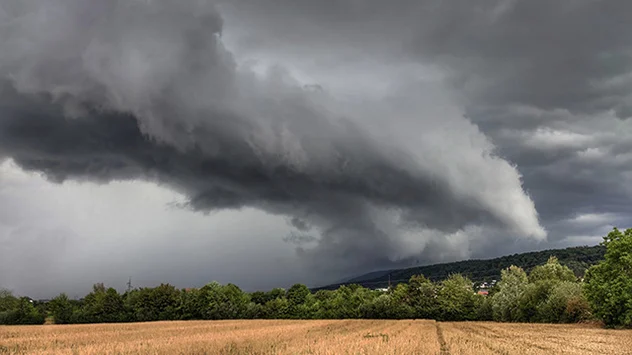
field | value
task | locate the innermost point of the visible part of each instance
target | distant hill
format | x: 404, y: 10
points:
x: 577, y: 259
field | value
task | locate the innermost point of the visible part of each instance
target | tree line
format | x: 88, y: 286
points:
x: 547, y: 293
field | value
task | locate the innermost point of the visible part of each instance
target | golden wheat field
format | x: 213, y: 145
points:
x: 314, y: 337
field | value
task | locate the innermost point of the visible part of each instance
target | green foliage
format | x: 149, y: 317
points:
x: 457, y: 300
x: 62, y: 309
x: 100, y: 306
x: 7, y: 301
x: 609, y: 284
x: 565, y: 304
x: 553, y: 271
x: 534, y: 305
x: 297, y: 296
x: 485, y: 311
x: 278, y: 308
x: 531, y: 301
x: 190, y: 305
x: 24, y: 312
x: 152, y: 304
x: 222, y: 302
x: 505, y: 302
x: 549, y: 293
x: 422, y: 295
x: 386, y: 306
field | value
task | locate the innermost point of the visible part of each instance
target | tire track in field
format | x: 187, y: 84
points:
x: 442, y: 343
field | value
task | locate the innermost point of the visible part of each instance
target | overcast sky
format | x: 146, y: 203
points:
x: 267, y: 142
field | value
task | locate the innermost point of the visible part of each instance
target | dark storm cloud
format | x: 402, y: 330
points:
x: 118, y: 90
x: 547, y: 81
x: 108, y: 90
x: 571, y: 55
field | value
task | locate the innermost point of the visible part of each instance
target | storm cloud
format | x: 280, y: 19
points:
x: 385, y: 133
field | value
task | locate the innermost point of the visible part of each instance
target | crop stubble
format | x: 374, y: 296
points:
x: 314, y: 337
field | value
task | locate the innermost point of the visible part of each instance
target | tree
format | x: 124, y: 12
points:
x: 422, y: 297
x: 608, y: 284
x: 505, y: 302
x: 456, y: 299
x: 62, y: 309
x: 101, y: 305
x: 565, y: 304
x: 259, y: 297
x: 386, y: 306
x: 296, y: 297
x: 150, y: 304
x: 277, y: 308
x: 543, y: 280
x: 530, y: 302
x: 113, y: 310
x: 7, y: 301
x: 190, y: 304
x: 23, y: 313
x: 222, y: 302
x: 552, y: 271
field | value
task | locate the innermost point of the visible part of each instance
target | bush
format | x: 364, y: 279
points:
x: 566, y: 304
x: 24, y: 313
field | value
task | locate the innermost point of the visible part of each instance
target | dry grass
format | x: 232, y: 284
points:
x: 313, y: 337
x: 514, y: 338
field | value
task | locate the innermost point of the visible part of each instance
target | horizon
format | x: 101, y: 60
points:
x: 311, y: 287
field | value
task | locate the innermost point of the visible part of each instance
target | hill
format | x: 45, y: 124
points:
x: 577, y: 259
x: 369, y: 276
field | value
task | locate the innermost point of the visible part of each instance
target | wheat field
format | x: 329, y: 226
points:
x: 314, y: 337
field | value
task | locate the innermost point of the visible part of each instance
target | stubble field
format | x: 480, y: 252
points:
x: 314, y: 337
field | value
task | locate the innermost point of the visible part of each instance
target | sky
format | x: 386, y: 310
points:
x: 268, y: 142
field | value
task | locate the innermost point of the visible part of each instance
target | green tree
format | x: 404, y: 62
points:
x: 565, y: 304
x: 386, y: 306
x: 101, y: 305
x: 456, y: 299
x: 151, y: 304
x: 422, y: 296
x: 190, y: 304
x: 608, y: 285
x: 23, y: 313
x: 505, y: 302
x: 543, y: 279
x: 552, y: 271
x: 222, y: 302
x: 7, y: 301
x: 113, y: 309
x: 259, y: 297
x: 530, y: 302
x: 62, y: 309
x: 296, y: 297
x: 278, y: 308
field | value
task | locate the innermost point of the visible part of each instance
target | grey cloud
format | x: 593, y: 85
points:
x: 119, y: 90
x: 550, y: 55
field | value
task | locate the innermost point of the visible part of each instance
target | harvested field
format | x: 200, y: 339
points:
x: 313, y: 337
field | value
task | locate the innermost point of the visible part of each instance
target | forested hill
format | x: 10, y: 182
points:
x: 577, y: 259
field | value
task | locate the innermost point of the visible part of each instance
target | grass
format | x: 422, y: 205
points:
x: 314, y: 337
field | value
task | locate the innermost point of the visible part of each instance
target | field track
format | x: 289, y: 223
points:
x: 314, y: 337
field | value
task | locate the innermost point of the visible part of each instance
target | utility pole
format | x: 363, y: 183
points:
x: 389, y: 281
x: 129, y: 284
